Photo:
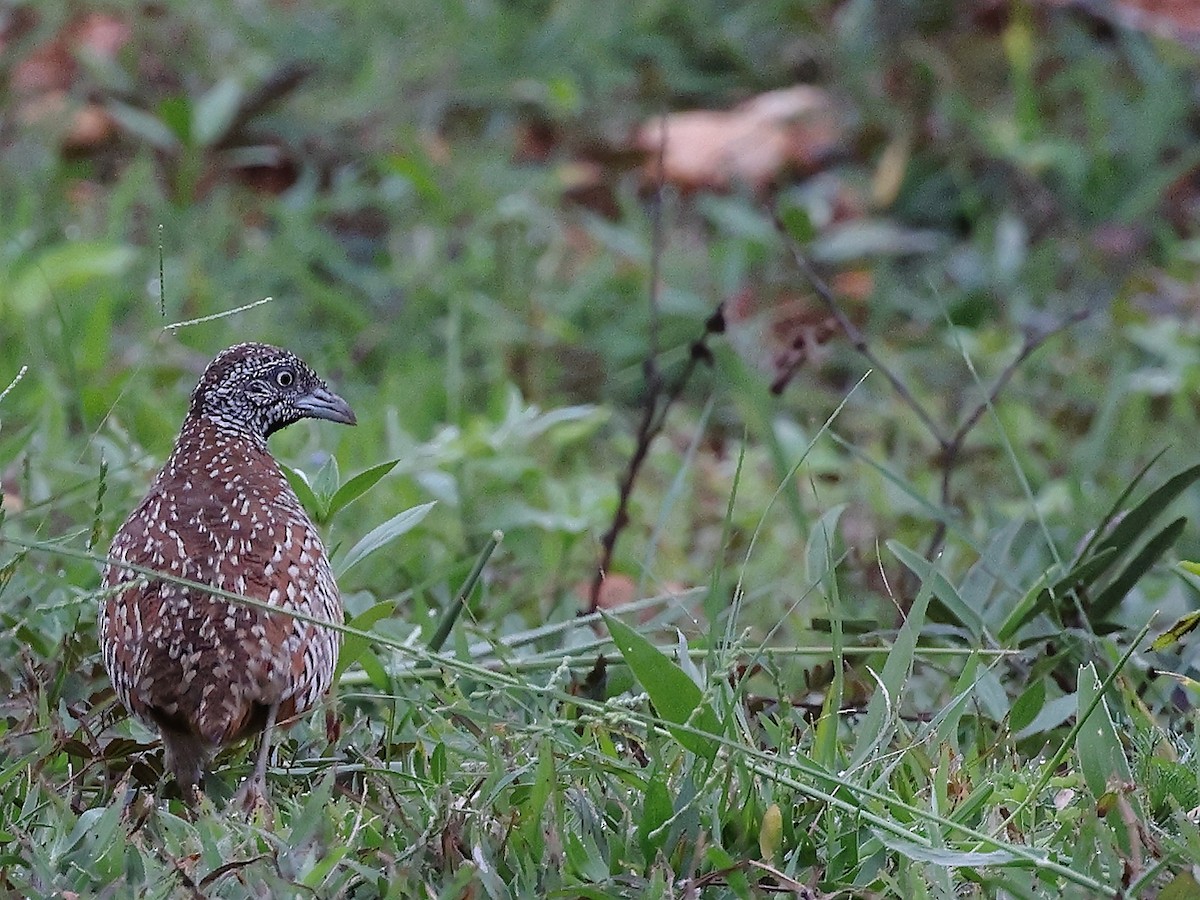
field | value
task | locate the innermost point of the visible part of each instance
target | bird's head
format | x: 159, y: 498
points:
x: 259, y: 389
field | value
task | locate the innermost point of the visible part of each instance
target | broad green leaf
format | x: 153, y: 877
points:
x: 1028, y: 705
x: 358, y: 485
x: 1102, y: 551
x: 9, y: 568
x: 299, y: 482
x: 545, y: 781
x: 818, y: 552
x: 215, y: 111
x: 312, y: 817
x: 1101, y: 756
x: 989, y: 581
x: 175, y: 113
x: 418, y: 172
x: 1053, y: 714
x: 674, y: 695
x: 325, y: 485
x: 141, y: 124
x: 1038, y: 599
x: 1026, y: 609
x: 944, y: 856
x: 437, y: 764
x: 963, y: 694
x: 393, y: 528
x: 62, y: 267
x: 827, y: 748
x: 369, y: 662
x: 324, y: 866
x: 1182, y: 887
x: 879, y: 722
x: 96, y: 823
x: 970, y: 810
x: 1118, y: 505
x: 1083, y: 575
x: 797, y: 223
x: 656, y: 809
x: 585, y: 860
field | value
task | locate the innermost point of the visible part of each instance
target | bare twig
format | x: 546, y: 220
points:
x: 660, y: 398
x: 221, y: 871
x: 949, y: 448
x: 802, y: 349
x: 857, y: 338
x: 1032, y: 342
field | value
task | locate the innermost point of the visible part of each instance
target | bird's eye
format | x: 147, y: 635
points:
x: 285, y: 378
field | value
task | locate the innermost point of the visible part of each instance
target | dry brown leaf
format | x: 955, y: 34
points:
x: 91, y: 125
x: 778, y: 331
x: 752, y: 144
x: 83, y: 127
x: 44, y: 78
x: 616, y: 590
x: 48, y: 68
x: 53, y: 66
x: 103, y: 35
x: 1176, y: 20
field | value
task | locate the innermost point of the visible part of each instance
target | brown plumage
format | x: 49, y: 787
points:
x: 206, y: 671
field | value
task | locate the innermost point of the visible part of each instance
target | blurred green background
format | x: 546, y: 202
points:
x: 455, y: 210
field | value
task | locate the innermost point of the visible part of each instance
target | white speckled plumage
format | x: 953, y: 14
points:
x: 203, y: 670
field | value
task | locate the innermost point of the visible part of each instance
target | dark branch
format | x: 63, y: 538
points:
x: 659, y: 400
x: 952, y: 448
x: 1031, y: 345
x: 856, y: 337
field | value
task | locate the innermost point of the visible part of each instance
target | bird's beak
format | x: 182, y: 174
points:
x: 322, y: 403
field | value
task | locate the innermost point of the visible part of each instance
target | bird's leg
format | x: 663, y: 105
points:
x: 253, y: 792
x: 264, y: 750
x: 186, y: 756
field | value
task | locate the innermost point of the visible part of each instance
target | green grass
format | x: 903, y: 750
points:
x: 800, y: 697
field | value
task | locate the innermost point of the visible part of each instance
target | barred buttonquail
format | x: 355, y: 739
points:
x: 203, y: 670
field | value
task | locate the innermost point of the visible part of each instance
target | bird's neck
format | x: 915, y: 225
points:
x: 213, y: 448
